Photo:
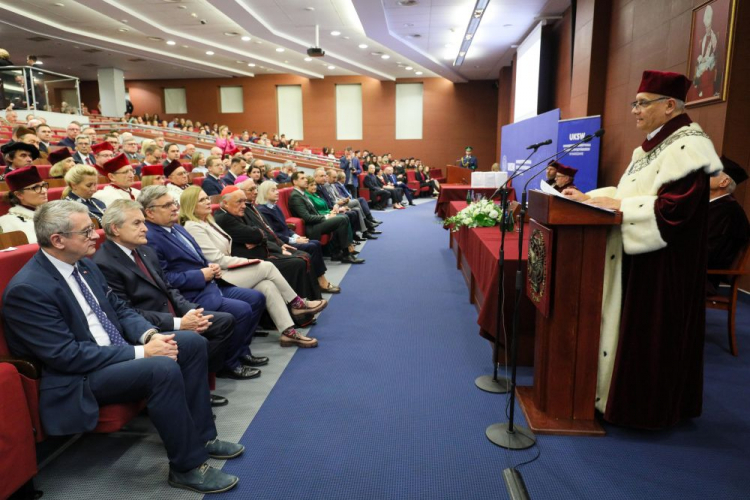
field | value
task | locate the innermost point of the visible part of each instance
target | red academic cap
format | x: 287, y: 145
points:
x: 116, y: 163
x: 22, y: 177
x: 173, y: 165
x: 152, y: 170
x: 666, y: 83
x: 565, y: 170
x: 58, y: 156
x: 102, y: 146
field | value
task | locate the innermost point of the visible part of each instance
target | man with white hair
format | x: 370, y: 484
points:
x: 130, y: 147
x: 189, y: 151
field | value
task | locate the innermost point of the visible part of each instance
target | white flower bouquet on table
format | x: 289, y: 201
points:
x: 481, y: 213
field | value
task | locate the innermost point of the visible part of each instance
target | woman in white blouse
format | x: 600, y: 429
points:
x: 195, y: 216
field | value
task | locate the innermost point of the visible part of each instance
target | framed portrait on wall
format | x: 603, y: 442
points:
x: 711, y: 35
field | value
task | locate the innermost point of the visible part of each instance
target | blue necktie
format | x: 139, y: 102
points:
x: 112, y: 332
x: 186, y: 244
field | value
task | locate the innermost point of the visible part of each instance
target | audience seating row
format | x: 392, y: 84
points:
x: 53, y: 193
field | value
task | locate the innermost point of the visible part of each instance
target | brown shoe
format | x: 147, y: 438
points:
x: 311, y: 307
x: 331, y: 289
x: 292, y: 338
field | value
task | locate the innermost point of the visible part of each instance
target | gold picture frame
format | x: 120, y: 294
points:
x: 710, y: 51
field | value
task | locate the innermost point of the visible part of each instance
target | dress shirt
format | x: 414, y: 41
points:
x: 95, y: 327
x: 293, y: 238
x: 177, y: 321
x: 652, y: 134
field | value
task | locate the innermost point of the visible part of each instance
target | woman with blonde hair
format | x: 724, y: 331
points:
x: 81, y: 181
x: 281, y: 301
x: 61, y: 161
x: 199, y: 163
x: 152, y: 175
x: 145, y: 145
x: 225, y: 141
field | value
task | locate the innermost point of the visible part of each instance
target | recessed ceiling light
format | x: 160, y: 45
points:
x: 468, y: 36
x: 310, y: 9
x: 308, y: 59
x: 279, y: 49
x: 193, y: 14
x: 362, y: 45
x: 239, y: 62
x: 251, y: 65
x: 209, y: 52
x: 258, y: 42
x: 462, y: 53
x: 170, y: 42
x: 245, y: 38
x: 184, y: 46
x: 286, y: 62
x: 418, y: 73
x: 408, y: 68
x: 123, y: 30
x: 124, y: 21
x: 335, y: 33
x: 385, y: 56
x: 331, y: 67
x: 182, y: 7
x: 59, y: 4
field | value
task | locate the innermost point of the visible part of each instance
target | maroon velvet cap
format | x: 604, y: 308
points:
x: 58, y: 156
x: 152, y: 170
x: 173, y: 165
x: 565, y: 170
x: 22, y: 177
x: 116, y: 164
x: 666, y: 83
x: 102, y: 146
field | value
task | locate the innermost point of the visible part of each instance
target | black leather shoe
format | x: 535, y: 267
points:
x: 260, y: 333
x: 240, y: 373
x: 375, y: 221
x: 337, y: 257
x: 374, y: 231
x: 249, y: 360
x: 217, y: 400
x: 203, y: 479
x: 348, y: 259
x: 369, y: 236
x: 357, y: 241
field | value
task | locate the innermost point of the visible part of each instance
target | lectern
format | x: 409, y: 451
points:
x: 567, y: 244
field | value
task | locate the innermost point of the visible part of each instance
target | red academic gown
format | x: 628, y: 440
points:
x: 728, y: 232
x: 658, y: 372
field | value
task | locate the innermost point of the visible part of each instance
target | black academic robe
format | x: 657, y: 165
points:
x: 728, y: 232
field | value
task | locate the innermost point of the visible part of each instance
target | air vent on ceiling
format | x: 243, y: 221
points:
x: 90, y: 65
x: 407, y: 3
x: 137, y: 60
x: 155, y: 39
x: 91, y: 51
x: 38, y: 39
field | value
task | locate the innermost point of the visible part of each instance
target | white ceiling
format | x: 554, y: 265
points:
x: 423, y: 37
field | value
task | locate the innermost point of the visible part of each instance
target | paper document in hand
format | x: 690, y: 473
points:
x: 546, y: 188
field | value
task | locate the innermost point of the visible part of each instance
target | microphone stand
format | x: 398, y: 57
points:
x: 510, y: 436
x: 486, y: 382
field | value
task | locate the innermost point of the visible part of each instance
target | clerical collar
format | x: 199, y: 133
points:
x: 718, y: 197
x: 653, y: 133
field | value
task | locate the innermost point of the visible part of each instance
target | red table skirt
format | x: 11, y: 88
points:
x: 479, y: 250
x: 458, y: 192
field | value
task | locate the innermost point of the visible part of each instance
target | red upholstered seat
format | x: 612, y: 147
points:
x: 413, y: 183
x: 198, y: 181
x: 363, y: 191
x: 111, y: 417
x: 18, y: 457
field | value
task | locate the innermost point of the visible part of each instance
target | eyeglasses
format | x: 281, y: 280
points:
x: 86, y: 233
x: 180, y: 174
x: 125, y: 172
x: 166, y: 205
x: 646, y: 103
x: 250, y: 190
x: 38, y: 188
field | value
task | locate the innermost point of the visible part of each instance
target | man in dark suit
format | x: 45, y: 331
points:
x: 213, y: 183
x: 133, y: 273
x: 95, y: 351
x: 187, y: 269
x: 73, y: 130
x: 349, y: 163
x: 173, y: 154
x: 316, y: 225
x: 83, y: 155
x: 356, y: 219
x: 337, y: 180
x: 237, y: 167
x: 408, y: 192
x: 378, y: 196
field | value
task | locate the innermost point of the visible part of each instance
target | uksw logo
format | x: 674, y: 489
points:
x: 578, y: 136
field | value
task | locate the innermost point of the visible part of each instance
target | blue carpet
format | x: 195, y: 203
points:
x: 386, y: 408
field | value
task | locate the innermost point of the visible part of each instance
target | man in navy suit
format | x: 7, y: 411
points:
x: 349, y: 163
x: 83, y: 155
x: 237, y: 167
x: 73, y: 130
x: 133, y: 273
x: 408, y: 192
x: 95, y: 351
x: 213, y: 183
x: 337, y: 180
x: 187, y: 269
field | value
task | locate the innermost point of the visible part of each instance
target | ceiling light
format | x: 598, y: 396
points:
x: 468, y: 36
x: 286, y: 62
x: 476, y: 17
x: 362, y: 45
x: 193, y: 14
x: 123, y: 30
x: 245, y: 38
x: 331, y: 67
x: 170, y: 42
x: 183, y: 7
x: 239, y: 62
x: 408, y: 68
x: 310, y: 9
x: 209, y: 52
x: 462, y: 53
x: 279, y: 49
x: 308, y: 59
x: 184, y: 46
x: 385, y: 56
x: 335, y: 33
x: 59, y: 4
x: 418, y: 73
x: 251, y: 65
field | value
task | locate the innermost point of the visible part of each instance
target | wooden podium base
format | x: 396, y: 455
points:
x: 542, y: 423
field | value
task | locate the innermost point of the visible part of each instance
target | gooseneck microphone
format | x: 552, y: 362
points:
x: 540, y: 144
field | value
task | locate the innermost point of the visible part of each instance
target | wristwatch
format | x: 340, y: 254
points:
x: 149, y: 334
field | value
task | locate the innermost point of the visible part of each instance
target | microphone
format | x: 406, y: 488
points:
x: 540, y: 144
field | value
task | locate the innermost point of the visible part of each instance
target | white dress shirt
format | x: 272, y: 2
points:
x: 95, y: 327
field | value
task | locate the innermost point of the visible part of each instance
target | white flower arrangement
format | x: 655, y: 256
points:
x: 481, y: 213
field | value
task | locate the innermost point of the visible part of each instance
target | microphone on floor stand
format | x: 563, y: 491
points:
x: 486, y: 382
x: 508, y: 435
